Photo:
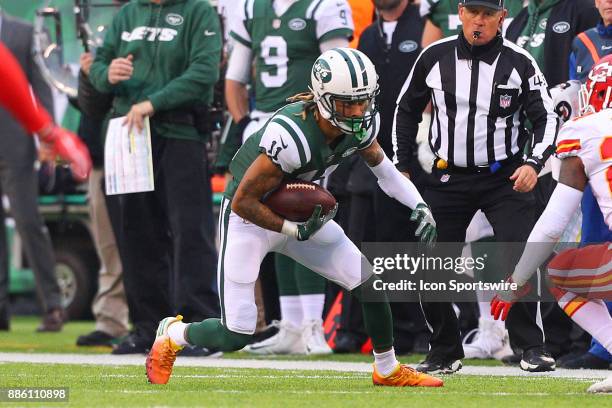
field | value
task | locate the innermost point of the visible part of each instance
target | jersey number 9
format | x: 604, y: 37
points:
x: 274, y: 54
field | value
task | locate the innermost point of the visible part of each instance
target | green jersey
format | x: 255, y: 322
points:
x: 176, y: 47
x: 297, y: 146
x: 286, y: 46
x: 444, y: 14
x: 534, y: 32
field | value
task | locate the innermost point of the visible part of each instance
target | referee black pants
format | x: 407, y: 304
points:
x: 454, y: 199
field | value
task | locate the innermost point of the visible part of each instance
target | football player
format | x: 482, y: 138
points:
x: 304, y: 140
x: 281, y: 40
x: 16, y: 96
x: 581, y: 277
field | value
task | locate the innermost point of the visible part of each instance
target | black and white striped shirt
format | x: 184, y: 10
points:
x: 480, y: 98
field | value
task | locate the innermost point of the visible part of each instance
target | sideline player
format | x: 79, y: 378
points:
x: 17, y: 98
x: 582, y: 277
x: 305, y: 140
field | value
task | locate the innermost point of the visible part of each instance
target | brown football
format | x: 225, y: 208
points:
x: 295, y: 200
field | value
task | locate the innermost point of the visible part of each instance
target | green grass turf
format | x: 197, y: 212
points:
x: 127, y: 386
x: 23, y: 338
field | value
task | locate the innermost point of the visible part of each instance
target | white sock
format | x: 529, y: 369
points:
x: 312, y: 306
x: 385, y: 362
x: 176, y: 331
x: 590, y: 314
x: 291, y: 310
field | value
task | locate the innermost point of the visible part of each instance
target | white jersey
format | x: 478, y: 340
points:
x: 590, y: 138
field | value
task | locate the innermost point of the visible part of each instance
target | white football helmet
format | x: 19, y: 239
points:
x: 566, y: 99
x: 348, y: 75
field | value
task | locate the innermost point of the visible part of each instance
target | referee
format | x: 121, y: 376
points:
x: 482, y: 89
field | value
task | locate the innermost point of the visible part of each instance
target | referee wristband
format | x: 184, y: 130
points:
x: 535, y: 163
x: 290, y: 228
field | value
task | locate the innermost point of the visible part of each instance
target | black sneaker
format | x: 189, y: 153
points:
x: 95, y: 338
x: 438, y: 366
x: 347, y: 343
x: 199, y: 351
x: 536, y: 360
x: 133, y: 344
x: 572, y: 355
x: 587, y: 360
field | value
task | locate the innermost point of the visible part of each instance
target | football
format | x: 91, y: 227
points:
x: 295, y: 200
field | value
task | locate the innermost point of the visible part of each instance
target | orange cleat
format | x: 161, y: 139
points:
x: 163, y: 353
x: 404, y: 376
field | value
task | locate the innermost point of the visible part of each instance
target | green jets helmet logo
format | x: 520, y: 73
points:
x: 322, y: 71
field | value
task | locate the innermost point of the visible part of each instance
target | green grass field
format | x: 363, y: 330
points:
x: 91, y: 385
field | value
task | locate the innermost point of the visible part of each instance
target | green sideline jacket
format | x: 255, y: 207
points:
x: 176, y: 48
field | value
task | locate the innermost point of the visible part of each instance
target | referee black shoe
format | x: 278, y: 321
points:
x: 536, y: 360
x: 199, y: 351
x: 96, y: 338
x: 436, y: 365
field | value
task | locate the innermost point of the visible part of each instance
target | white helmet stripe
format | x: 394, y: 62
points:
x: 362, y: 68
x: 350, y: 64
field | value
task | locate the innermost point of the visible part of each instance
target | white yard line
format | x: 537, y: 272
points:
x: 108, y: 359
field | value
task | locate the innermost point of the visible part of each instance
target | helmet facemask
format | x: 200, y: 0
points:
x: 337, y: 110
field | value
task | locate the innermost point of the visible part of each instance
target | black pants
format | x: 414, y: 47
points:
x: 19, y: 181
x: 167, y: 237
x: 454, y: 202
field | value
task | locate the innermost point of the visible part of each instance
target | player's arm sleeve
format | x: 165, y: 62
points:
x: 16, y: 95
x: 333, y: 19
x: 411, y: 102
x: 395, y: 184
x: 203, y: 70
x: 563, y: 203
x: 285, y: 144
x: 239, y: 65
x: 539, y: 108
x: 240, y: 22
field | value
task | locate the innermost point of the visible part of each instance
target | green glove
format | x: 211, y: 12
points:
x: 315, y: 222
x: 427, y: 225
